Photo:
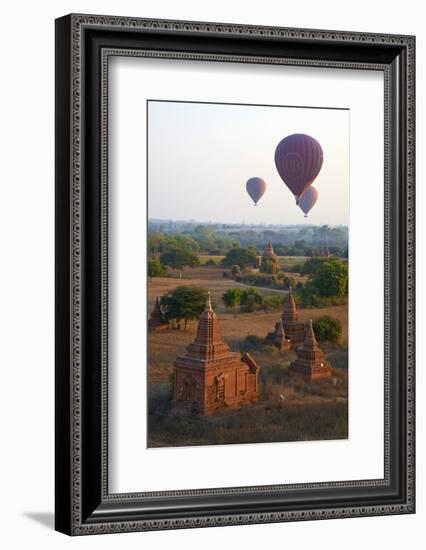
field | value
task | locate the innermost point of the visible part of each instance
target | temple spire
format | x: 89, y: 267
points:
x: 310, y: 340
x: 157, y: 319
x: 268, y: 251
x: 311, y: 362
x: 208, y: 342
x: 209, y: 302
x: 290, y: 312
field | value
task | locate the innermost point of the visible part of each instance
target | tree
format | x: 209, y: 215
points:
x: 155, y: 269
x: 236, y: 271
x: 243, y: 257
x: 269, y: 265
x: 178, y: 258
x: 251, y: 299
x: 273, y: 303
x: 331, y: 279
x: 232, y: 299
x: 327, y: 329
x: 184, y: 303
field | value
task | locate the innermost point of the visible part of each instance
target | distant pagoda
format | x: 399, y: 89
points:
x: 278, y: 338
x: 210, y: 377
x: 269, y: 262
x: 157, y: 321
x: 310, y: 362
x: 268, y: 251
x: 294, y: 330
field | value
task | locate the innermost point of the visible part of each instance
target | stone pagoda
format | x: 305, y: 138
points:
x: 269, y: 262
x: 157, y: 321
x: 277, y: 337
x: 294, y: 330
x: 310, y: 362
x: 209, y: 376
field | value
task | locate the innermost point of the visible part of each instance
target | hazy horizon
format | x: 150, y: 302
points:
x: 240, y: 224
x: 201, y: 155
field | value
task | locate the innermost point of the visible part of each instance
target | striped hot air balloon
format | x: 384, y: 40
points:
x: 298, y: 159
x: 308, y: 199
x: 256, y: 188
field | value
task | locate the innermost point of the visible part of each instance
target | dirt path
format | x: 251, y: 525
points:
x: 266, y: 289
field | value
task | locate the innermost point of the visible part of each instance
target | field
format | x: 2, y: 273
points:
x: 288, y: 409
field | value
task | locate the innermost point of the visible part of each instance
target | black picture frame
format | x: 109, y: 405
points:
x: 83, y: 44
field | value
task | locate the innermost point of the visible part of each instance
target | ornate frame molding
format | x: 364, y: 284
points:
x: 72, y: 44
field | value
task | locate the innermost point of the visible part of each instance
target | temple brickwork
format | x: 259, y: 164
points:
x: 157, y: 321
x: 269, y: 262
x: 294, y: 330
x: 211, y: 377
x: 310, y: 362
x: 278, y: 338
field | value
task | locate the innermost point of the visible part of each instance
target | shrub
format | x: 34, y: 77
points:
x: 211, y: 262
x: 331, y: 279
x: 269, y: 265
x: 243, y: 257
x: 252, y: 342
x: 155, y: 268
x: 251, y: 299
x: 184, y: 303
x: 259, y: 279
x: 327, y: 329
x: 273, y: 303
x: 232, y: 299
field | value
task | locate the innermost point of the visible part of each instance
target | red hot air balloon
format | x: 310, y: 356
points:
x: 298, y: 159
x: 308, y: 199
x: 255, y: 188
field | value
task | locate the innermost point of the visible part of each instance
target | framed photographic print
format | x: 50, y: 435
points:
x: 234, y: 274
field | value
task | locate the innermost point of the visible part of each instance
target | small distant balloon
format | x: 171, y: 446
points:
x: 298, y: 159
x: 308, y: 199
x: 256, y: 187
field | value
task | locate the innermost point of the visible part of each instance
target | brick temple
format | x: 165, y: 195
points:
x: 269, y: 262
x: 294, y: 330
x: 310, y: 362
x: 268, y: 251
x: 278, y: 338
x: 210, y: 377
x: 157, y: 321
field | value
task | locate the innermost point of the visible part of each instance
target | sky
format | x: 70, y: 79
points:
x: 201, y: 155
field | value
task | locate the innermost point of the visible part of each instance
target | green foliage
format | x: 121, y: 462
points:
x: 269, y: 265
x: 273, y: 303
x: 211, y: 262
x: 308, y: 297
x: 232, y: 299
x: 289, y: 282
x: 155, y: 268
x: 243, y: 257
x: 160, y: 243
x: 184, y: 303
x: 259, y: 279
x: 178, y: 258
x: 331, y: 278
x: 218, y: 239
x: 312, y: 265
x: 251, y: 299
x: 327, y: 329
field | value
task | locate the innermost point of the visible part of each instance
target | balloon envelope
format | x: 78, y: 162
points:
x: 298, y: 159
x: 308, y: 199
x: 255, y: 188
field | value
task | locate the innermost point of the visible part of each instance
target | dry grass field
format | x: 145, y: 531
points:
x: 289, y: 409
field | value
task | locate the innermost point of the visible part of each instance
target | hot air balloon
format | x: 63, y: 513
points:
x: 308, y: 199
x: 255, y: 188
x: 298, y: 159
